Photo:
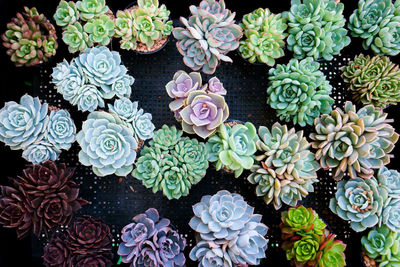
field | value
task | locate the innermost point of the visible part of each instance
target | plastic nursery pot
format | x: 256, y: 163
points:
x: 367, y: 261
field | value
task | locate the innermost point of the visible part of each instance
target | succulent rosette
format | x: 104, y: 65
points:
x: 377, y: 23
x: 215, y: 86
x: 390, y: 179
x: 40, y: 152
x: 30, y: 38
x: 66, y: 13
x: 61, y: 129
x: 57, y: 253
x: 331, y: 253
x: 316, y: 28
x: 88, y: 98
x: 286, y: 170
x: 209, y: 254
x: 373, y: 80
x: 122, y: 86
x: 100, y: 30
x: 353, y: 141
x: 265, y: 35
x: 91, y: 8
x: 299, y: 91
x: 380, y: 241
x: 304, y: 250
x: 76, y: 38
x: 391, y: 214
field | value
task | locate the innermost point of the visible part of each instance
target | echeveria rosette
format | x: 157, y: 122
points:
x: 331, y: 253
x: 57, y: 253
x: 114, y: 152
x: 60, y: 72
x: 390, y: 179
x: 210, y: 254
x: 124, y: 108
x: 66, y: 14
x: 166, y: 138
x: 353, y: 141
x: 100, y: 30
x: 286, y: 169
x: 391, y: 214
x: 88, y: 98
x: 215, y: 86
x: 124, y: 29
x: 75, y: 37
x: 90, y: 9
x: 299, y: 91
x: 379, y: 242
x: 41, y: 152
x: 143, y: 126
x: 233, y: 148
x: 69, y: 79
x: 61, y: 129
x: 204, y: 113
x: 304, y: 250
x: 360, y: 201
x: 170, y: 247
x: 373, y: 80
x: 122, y: 86
x: 216, y: 8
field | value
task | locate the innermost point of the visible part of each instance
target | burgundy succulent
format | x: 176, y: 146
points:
x: 57, y: 253
x: 93, y: 260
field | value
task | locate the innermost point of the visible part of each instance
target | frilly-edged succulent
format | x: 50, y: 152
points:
x: 373, y: 80
x: 233, y: 148
x: 150, y: 239
x: 114, y: 152
x: 30, y: 38
x: 265, y: 35
x: 209, y: 34
x: 378, y: 23
x: 229, y: 232
x: 286, y: 170
x: 353, y: 141
x: 299, y: 91
x: 316, y: 28
x: 172, y: 163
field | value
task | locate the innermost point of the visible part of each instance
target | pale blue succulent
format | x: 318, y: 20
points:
x: 72, y: 83
x: 390, y: 179
x: 61, y: 130
x: 40, y: 152
x: 24, y: 123
x: 142, y: 125
x: 60, y: 72
x: 107, y: 144
x: 124, y: 108
x: 391, y: 214
x: 89, y: 98
x: 122, y: 86
x: 209, y: 254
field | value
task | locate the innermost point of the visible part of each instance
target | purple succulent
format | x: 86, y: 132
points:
x: 170, y: 247
x: 215, y: 86
x: 147, y: 256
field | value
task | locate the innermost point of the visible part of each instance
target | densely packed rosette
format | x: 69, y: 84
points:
x: 39, y: 130
x: 92, y: 77
x: 316, y: 28
x: 308, y: 242
x: 228, y: 232
x: 151, y: 241
x: 264, y: 36
x: 87, y: 242
x: 85, y: 23
x: 285, y: 168
x: 144, y: 27
x: 41, y: 199
x: 373, y: 80
x: 171, y: 163
x: 30, y: 38
x: 377, y: 22
x: 353, y: 142
x: 208, y: 35
x: 299, y: 91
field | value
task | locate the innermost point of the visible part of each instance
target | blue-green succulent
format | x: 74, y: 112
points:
x: 122, y: 86
x: 379, y: 242
x: 91, y: 8
x: 391, y: 214
x: 61, y: 130
x: 40, y: 152
x: 390, y: 179
x: 88, y: 98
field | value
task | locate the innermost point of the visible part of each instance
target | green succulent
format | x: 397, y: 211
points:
x: 66, y: 13
x: 233, y: 147
x: 90, y: 9
x: 76, y: 38
x: 373, y: 80
x: 380, y: 241
x: 100, y: 30
x: 304, y: 250
x: 265, y: 35
x: 331, y: 253
x: 147, y: 30
x: 299, y: 91
x: 390, y: 260
x: 167, y: 138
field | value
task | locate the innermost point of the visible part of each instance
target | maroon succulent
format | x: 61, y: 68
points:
x: 57, y: 253
x: 92, y: 260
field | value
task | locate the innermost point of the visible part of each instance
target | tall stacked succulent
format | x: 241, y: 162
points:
x: 353, y: 141
x: 316, y: 28
x: 233, y: 148
x: 209, y: 34
x: 30, y: 38
x: 286, y: 169
x: 265, y: 35
x: 377, y: 22
x: 228, y: 231
x: 151, y: 241
x: 172, y: 163
x: 373, y: 80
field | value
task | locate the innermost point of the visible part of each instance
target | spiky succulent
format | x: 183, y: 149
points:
x: 299, y: 91
x: 378, y: 23
x: 172, y: 163
x: 353, y: 141
x: 30, y: 38
x: 209, y: 34
x: 265, y: 36
x: 286, y: 169
x: 373, y: 80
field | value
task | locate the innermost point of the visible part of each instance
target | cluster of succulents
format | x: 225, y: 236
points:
x: 286, y: 169
x: 171, y: 163
x: 85, y: 23
x: 42, y: 198
x: 87, y: 242
x: 144, y: 27
x: 93, y: 76
x: 308, y: 242
x: 209, y: 34
x: 233, y: 148
x: 30, y: 38
x: 373, y: 80
x: 299, y: 91
x: 265, y: 36
x: 369, y: 202
x: 200, y: 108
x: 229, y: 233
x: 353, y: 142
x: 377, y: 22
x: 151, y: 241
x: 39, y: 130
x: 316, y: 28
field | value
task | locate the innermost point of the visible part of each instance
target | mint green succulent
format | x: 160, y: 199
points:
x: 233, y: 148
x: 100, y: 30
x: 76, y: 38
x: 66, y: 13
x: 91, y: 8
x: 379, y: 242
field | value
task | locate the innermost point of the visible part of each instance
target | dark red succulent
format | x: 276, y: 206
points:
x: 57, y: 253
x: 93, y: 260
